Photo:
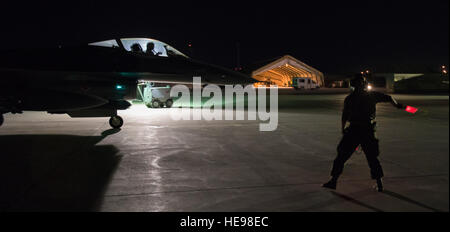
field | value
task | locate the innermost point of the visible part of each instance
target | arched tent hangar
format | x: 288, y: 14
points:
x: 282, y: 71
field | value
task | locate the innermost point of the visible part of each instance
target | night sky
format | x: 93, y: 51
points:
x: 332, y: 36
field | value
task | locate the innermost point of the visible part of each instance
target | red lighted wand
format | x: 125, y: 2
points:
x: 411, y: 109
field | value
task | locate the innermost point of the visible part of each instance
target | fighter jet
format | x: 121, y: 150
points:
x: 97, y: 79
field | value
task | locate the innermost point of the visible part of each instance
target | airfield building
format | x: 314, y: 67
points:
x: 282, y: 71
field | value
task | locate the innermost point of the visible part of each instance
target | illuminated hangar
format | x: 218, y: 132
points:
x: 281, y: 72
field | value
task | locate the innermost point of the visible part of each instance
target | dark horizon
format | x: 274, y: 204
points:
x: 332, y: 37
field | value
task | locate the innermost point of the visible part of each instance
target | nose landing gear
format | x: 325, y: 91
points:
x: 116, y: 122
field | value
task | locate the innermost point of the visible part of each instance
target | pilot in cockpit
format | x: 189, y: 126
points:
x: 136, y: 47
x: 151, y: 49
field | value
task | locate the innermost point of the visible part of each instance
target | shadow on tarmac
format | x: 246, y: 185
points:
x: 55, y: 172
x: 409, y: 200
x: 354, y: 201
x: 389, y: 193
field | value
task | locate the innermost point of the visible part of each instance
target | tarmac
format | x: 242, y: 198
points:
x: 56, y: 163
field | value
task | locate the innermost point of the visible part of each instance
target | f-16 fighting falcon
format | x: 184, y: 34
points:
x: 97, y: 79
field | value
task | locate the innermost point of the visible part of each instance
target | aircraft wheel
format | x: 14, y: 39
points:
x: 169, y: 103
x: 156, y: 104
x: 116, y: 122
x: 1, y: 119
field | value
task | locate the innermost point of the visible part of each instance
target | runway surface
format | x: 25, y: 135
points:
x: 53, y: 162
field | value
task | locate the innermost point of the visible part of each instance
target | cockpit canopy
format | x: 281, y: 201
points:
x: 159, y: 48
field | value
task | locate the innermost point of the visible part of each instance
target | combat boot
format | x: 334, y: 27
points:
x: 331, y: 184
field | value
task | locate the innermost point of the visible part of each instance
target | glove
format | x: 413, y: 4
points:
x: 401, y: 106
x: 345, y: 130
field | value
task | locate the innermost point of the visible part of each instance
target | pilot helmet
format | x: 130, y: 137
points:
x: 136, y: 47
